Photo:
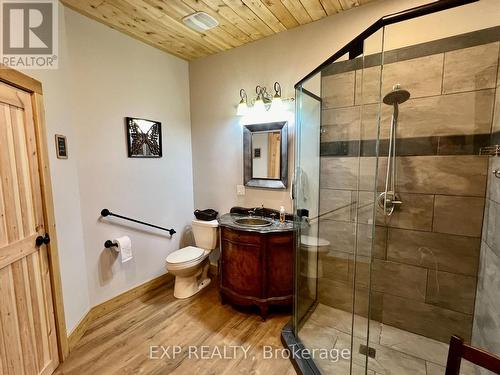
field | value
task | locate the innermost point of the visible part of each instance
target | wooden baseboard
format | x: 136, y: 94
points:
x: 114, y: 303
x: 77, y: 333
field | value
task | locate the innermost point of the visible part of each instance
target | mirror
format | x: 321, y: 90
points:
x: 265, y: 155
x: 266, y: 150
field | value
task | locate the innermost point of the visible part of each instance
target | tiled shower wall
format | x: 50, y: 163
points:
x: 486, y: 330
x: 425, y: 258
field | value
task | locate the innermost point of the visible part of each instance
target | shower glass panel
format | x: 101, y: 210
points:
x: 397, y: 208
x: 307, y: 199
x: 336, y: 166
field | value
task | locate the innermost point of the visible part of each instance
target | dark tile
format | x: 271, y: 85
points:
x: 338, y: 90
x: 420, y: 76
x: 472, y: 68
x: 335, y: 204
x: 335, y: 266
x: 436, y: 251
x: 495, y: 138
x: 417, y: 146
x: 451, y: 291
x: 453, y: 175
x: 442, y: 115
x: 340, y: 124
x: 414, y: 213
x: 458, y: 215
x: 424, y: 319
x: 339, y: 173
x: 340, y: 295
x: 340, y: 148
x: 341, y: 235
x: 399, y: 279
x: 463, y: 144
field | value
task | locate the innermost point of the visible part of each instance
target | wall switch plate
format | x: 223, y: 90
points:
x: 240, y: 190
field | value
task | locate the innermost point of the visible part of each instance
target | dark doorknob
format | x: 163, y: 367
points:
x: 42, y: 240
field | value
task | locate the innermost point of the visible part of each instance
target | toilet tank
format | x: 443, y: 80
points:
x: 205, y: 233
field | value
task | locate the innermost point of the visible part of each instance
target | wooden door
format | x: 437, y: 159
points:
x: 28, y: 343
x: 274, y: 155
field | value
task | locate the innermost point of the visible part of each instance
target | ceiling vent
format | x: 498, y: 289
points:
x: 200, y: 21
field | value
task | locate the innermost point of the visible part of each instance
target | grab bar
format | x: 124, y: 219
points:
x: 105, y: 212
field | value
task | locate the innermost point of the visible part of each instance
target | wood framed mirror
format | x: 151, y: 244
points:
x: 265, y: 155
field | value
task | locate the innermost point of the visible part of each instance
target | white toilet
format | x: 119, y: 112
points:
x: 190, y: 264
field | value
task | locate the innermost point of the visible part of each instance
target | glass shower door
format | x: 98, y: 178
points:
x: 336, y: 168
x: 306, y: 201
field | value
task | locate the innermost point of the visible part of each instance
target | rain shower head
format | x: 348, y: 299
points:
x: 397, y: 95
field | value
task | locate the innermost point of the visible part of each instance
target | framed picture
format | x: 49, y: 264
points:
x: 143, y: 138
x: 256, y: 153
x: 61, y: 147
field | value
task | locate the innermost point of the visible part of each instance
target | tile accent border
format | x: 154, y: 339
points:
x: 495, y: 138
x: 452, y: 43
x: 418, y: 146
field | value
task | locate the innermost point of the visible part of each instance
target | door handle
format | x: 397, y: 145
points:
x: 42, y: 240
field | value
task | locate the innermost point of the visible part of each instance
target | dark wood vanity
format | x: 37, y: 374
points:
x: 256, y: 265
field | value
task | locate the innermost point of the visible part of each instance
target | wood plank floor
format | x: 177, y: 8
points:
x: 119, y: 343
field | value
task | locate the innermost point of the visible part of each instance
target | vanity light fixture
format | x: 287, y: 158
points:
x: 260, y: 103
x: 277, y: 102
x: 243, y: 106
x: 263, y: 102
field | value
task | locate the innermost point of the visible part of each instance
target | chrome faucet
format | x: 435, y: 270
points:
x: 254, y: 210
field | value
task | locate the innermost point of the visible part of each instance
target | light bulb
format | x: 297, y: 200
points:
x: 277, y: 104
x: 242, y: 109
x: 259, y: 106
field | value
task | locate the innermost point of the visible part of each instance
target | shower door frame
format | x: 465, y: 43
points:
x: 354, y: 48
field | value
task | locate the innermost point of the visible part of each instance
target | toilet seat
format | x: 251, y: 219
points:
x: 312, y: 241
x: 185, y: 257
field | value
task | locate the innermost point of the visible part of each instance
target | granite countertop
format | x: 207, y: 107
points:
x: 228, y: 220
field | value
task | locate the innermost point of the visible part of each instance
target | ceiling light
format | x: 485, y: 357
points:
x: 200, y: 21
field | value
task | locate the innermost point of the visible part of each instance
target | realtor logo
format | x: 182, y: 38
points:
x: 29, y: 34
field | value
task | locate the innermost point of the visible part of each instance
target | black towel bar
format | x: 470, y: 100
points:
x: 105, y: 212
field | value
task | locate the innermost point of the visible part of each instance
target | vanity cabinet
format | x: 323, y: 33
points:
x: 256, y: 268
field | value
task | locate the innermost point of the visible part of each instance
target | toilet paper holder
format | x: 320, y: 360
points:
x: 109, y: 244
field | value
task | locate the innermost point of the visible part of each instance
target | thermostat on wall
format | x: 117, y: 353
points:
x: 61, y: 147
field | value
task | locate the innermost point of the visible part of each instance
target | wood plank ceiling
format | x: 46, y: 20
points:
x: 159, y: 22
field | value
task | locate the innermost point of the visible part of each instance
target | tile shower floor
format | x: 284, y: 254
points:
x: 398, y: 352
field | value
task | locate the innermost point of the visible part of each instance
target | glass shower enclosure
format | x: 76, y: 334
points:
x: 392, y: 174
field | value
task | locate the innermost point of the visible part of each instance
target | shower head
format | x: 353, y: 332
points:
x: 397, y: 95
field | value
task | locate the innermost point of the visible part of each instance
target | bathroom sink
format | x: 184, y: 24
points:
x: 253, y: 222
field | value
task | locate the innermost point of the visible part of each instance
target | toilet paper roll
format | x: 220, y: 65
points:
x: 124, y: 247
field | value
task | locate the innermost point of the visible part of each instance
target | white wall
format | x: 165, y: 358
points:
x: 287, y: 57
x: 58, y: 86
x: 103, y: 77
